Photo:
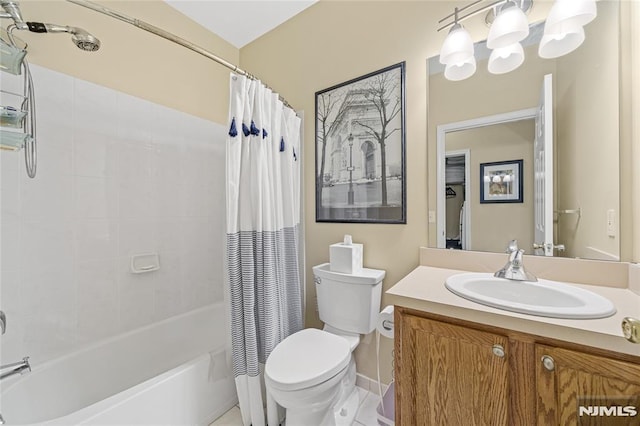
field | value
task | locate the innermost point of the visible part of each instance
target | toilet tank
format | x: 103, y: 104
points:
x: 349, y: 302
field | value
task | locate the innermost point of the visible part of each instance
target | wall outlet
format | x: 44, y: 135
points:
x: 611, y: 223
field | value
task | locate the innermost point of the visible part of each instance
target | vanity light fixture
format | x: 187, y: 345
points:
x: 457, y: 47
x: 563, y: 30
x: 563, y: 33
x: 509, y: 27
x: 457, y: 52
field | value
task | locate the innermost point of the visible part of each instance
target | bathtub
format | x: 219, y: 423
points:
x: 174, y: 372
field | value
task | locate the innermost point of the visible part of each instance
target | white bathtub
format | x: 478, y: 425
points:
x: 173, y: 372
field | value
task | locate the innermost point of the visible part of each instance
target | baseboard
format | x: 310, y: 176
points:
x: 370, y: 385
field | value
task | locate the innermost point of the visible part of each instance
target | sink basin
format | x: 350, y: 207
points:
x: 543, y: 298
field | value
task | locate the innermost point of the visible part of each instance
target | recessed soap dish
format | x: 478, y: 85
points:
x: 141, y: 263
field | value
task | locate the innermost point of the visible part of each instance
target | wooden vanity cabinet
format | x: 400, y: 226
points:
x: 567, y: 375
x: 453, y: 372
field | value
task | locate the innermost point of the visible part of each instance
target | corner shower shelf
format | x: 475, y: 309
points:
x: 18, y: 121
x: 11, y: 117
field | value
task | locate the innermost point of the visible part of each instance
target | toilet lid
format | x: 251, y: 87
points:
x: 307, y: 358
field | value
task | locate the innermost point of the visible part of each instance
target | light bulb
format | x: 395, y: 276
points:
x: 560, y: 40
x: 506, y: 59
x: 460, y: 70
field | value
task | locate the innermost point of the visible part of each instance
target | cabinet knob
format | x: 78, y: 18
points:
x: 548, y: 363
x: 631, y: 329
x: 498, y: 351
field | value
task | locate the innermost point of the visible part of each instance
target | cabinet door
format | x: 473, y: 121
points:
x: 569, y: 380
x: 449, y: 375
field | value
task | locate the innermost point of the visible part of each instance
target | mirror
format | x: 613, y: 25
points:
x: 488, y: 122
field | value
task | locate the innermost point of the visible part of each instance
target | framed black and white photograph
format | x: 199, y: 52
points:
x: 360, y: 149
x: 501, y: 182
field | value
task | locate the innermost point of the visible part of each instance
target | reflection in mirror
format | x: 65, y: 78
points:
x: 585, y: 200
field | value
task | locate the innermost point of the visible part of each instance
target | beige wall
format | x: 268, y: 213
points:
x: 512, y: 221
x: 632, y: 116
x: 132, y: 60
x: 332, y: 42
x: 587, y: 134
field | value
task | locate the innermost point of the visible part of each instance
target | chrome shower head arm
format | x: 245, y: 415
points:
x: 12, y: 11
x: 81, y: 38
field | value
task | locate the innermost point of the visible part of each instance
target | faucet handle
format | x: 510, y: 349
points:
x: 512, y: 247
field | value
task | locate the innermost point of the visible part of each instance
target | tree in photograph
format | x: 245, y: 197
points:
x: 327, y: 119
x: 383, y: 93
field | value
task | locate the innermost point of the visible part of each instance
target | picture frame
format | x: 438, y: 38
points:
x: 360, y: 149
x: 501, y: 182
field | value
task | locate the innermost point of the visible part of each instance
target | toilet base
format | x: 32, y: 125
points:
x: 340, y: 411
x: 345, y: 414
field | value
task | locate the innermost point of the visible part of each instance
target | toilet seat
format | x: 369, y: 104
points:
x: 307, y: 358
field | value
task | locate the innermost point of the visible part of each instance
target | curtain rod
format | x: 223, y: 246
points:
x: 169, y: 36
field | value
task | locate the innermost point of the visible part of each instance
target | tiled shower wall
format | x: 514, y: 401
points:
x: 117, y: 176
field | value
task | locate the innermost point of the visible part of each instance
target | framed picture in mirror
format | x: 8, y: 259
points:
x: 501, y: 182
x: 360, y: 149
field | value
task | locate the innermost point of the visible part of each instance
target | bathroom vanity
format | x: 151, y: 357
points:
x: 460, y: 362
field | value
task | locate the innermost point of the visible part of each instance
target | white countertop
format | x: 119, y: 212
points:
x: 423, y: 289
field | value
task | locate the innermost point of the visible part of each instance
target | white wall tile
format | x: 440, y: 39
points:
x: 96, y: 239
x: 10, y: 242
x: 11, y: 302
x: 46, y: 244
x: 95, y: 154
x: 137, y: 237
x: 135, y: 117
x: 10, y: 193
x: 168, y: 287
x: 136, y: 293
x: 96, y: 198
x: 97, y: 286
x: 46, y: 197
x: 117, y: 176
x: 95, y: 108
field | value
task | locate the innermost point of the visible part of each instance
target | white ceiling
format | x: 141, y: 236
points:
x: 240, y: 21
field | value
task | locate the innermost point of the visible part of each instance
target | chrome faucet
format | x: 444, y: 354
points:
x: 20, y: 367
x: 514, y: 269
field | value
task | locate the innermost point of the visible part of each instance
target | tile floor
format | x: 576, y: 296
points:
x: 366, y: 415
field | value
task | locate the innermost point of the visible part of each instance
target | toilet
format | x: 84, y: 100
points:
x: 312, y: 373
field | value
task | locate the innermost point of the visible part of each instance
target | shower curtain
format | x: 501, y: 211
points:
x: 263, y: 218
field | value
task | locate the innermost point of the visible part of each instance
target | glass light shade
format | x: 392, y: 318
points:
x: 457, y: 47
x: 461, y: 70
x: 507, y: 178
x: 506, y: 59
x: 496, y: 179
x: 577, y: 12
x: 510, y: 26
x: 569, y: 37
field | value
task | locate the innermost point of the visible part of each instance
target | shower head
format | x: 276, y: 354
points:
x: 84, y: 40
x: 80, y: 37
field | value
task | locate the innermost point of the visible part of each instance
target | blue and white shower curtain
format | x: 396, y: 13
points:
x: 263, y: 219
